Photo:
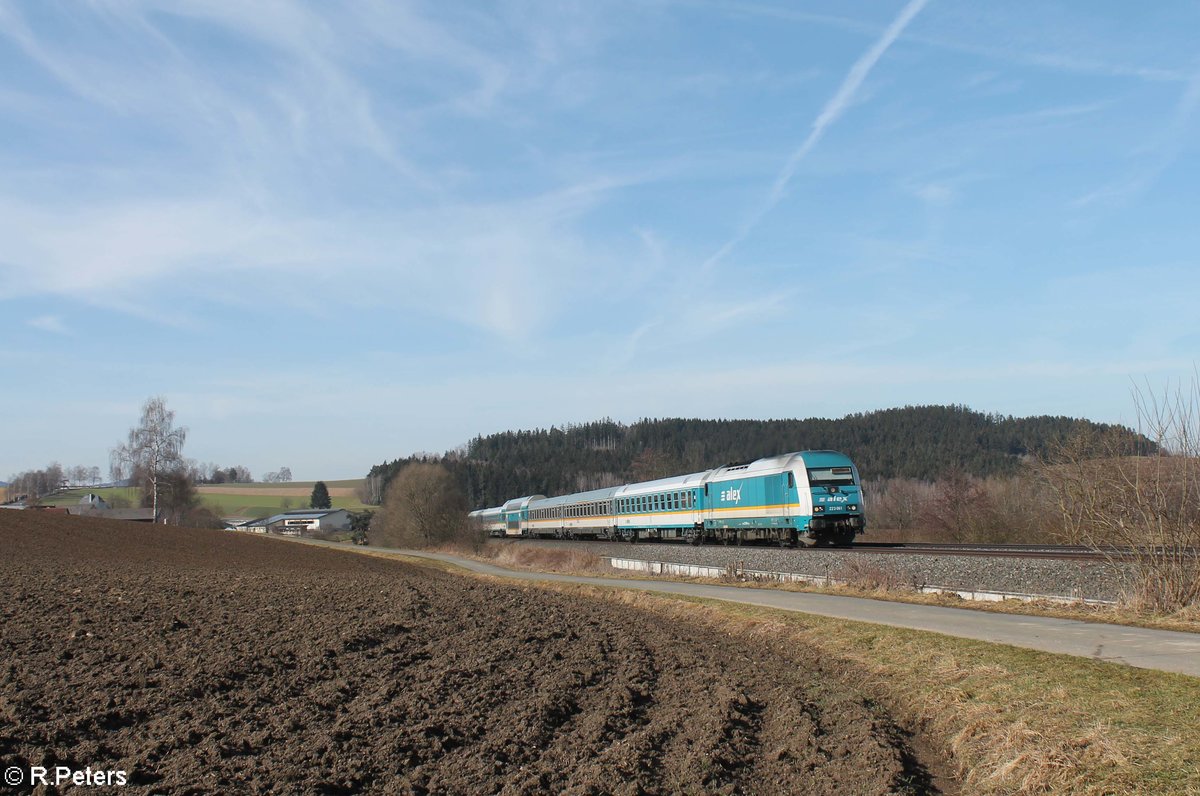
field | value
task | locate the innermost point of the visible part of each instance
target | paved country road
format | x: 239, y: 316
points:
x: 1144, y: 648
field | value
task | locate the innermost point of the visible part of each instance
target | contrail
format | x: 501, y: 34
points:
x: 833, y: 109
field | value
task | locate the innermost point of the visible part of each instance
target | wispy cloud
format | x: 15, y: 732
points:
x: 1155, y: 156
x: 506, y: 267
x: 830, y: 113
x: 49, y: 323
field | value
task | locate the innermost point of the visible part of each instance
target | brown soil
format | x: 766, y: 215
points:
x: 206, y: 661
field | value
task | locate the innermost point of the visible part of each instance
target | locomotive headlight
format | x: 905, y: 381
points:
x: 852, y: 507
x: 818, y: 509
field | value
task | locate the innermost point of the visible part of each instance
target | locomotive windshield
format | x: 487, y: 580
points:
x: 831, y: 476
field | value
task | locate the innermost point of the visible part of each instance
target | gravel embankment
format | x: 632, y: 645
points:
x: 1078, y: 579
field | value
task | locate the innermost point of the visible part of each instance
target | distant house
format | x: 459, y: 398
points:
x: 300, y: 523
x: 92, y: 501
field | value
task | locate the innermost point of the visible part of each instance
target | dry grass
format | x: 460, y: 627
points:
x: 540, y: 559
x: 873, y: 578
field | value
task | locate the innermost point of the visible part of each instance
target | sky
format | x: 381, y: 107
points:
x: 331, y: 235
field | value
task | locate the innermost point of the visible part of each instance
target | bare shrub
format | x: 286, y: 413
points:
x: 552, y: 559
x: 872, y: 577
x: 995, y: 510
x: 960, y: 508
x: 1113, y: 501
x: 897, y: 503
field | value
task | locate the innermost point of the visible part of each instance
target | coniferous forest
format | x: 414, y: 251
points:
x: 918, y: 442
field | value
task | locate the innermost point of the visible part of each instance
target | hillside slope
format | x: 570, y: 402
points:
x: 912, y: 442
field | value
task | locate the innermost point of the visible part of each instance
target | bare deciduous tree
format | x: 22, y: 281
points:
x: 422, y: 507
x: 897, y: 503
x: 1113, y: 499
x: 154, y: 446
x: 370, y: 491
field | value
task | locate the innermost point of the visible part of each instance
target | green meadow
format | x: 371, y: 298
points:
x: 232, y: 500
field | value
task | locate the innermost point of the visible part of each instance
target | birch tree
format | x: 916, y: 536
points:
x: 154, y: 446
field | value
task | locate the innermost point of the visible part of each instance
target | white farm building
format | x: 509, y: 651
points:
x: 299, y: 523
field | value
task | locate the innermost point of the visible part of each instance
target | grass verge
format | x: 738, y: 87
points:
x: 872, y: 583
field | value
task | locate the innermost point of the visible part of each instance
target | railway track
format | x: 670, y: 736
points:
x: 993, y: 550
x: 1067, y: 552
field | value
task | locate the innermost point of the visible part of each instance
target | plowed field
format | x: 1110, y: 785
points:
x: 217, y: 662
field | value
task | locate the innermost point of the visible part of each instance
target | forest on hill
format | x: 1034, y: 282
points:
x: 914, y: 442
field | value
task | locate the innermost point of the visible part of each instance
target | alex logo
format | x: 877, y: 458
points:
x: 833, y: 499
x: 731, y: 495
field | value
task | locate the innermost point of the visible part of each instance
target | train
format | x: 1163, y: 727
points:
x: 810, y: 498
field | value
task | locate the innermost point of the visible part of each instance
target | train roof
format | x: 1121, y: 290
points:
x: 579, y: 497
x: 516, y: 504
x: 728, y: 472
x: 665, y: 484
x: 495, y: 511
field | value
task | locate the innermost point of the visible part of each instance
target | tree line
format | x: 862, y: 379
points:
x: 922, y: 443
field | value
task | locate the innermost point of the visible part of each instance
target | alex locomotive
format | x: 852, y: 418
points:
x: 809, y: 497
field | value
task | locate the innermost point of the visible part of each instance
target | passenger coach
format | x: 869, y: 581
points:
x: 810, y: 497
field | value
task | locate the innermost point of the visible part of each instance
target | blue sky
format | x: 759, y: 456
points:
x: 332, y: 235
